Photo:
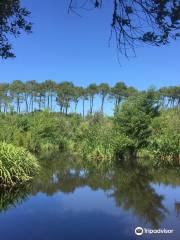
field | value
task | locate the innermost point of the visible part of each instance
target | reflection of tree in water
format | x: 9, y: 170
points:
x: 166, y: 176
x: 132, y: 191
x: 130, y: 188
x: 11, y: 197
x: 68, y: 181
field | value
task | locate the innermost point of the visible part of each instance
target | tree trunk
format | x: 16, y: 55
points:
x: 83, y: 107
x: 26, y: 101
x: 92, y: 105
x: 48, y: 102
x: 32, y: 104
x: 51, y: 102
x: 102, y: 104
x: 76, y: 103
x: 18, y: 104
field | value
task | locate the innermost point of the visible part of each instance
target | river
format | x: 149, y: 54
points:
x: 68, y: 202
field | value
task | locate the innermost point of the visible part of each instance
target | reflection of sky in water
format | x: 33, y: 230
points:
x: 81, y: 213
x: 84, y: 214
x: 171, y: 195
x: 81, y: 200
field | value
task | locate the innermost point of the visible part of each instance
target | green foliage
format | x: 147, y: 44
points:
x: 37, y: 132
x: 31, y: 96
x: 138, y: 128
x: 118, y: 92
x: 16, y: 164
x: 93, y: 140
x: 128, y: 17
x: 161, y: 18
x: 123, y: 146
x: 13, y: 21
x: 104, y: 90
x: 132, y: 122
x: 165, y: 139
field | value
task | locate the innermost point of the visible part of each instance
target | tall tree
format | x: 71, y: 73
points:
x: 130, y: 91
x: 40, y: 95
x: 118, y: 92
x: 17, y: 90
x: 49, y: 86
x: 84, y: 97
x: 104, y: 90
x: 92, y: 91
x: 32, y: 86
x: 170, y: 96
x: 76, y: 96
x: 64, y: 95
x: 4, y: 98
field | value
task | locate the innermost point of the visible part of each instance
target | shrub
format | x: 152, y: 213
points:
x: 132, y: 122
x: 123, y: 146
x: 164, y: 142
x: 93, y: 140
x: 16, y: 164
x: 36, y: 131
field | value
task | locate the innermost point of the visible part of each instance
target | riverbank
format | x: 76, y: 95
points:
x: 139, y: 128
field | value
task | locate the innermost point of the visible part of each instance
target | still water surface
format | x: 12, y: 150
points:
x: 67, y: 203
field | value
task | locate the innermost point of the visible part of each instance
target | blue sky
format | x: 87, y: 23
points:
x: 65, y: 47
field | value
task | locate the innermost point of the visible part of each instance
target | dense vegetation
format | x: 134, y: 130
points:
x: 145, y: 125
x: 16, y: 164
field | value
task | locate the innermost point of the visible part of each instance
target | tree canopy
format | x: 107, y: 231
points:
x: 134, y: 22
x: 36, y: 96
x: 13, y: 21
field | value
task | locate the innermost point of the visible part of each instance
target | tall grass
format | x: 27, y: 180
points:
x: 16, y: 165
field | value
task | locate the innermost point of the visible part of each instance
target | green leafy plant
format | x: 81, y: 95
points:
x: 16, y: 164
x: 164, y: 142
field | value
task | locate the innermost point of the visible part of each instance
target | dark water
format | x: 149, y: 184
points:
x: 66, y: 202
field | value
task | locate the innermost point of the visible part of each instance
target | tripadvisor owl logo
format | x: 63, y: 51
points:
x: 138, y: 231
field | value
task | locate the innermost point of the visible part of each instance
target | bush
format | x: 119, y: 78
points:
x: 36, y: 131
x: 132, y: 122
x: 93, y: 140
x: 16, y: 164
x: 164, y: 142
x: 138, y: 128
x: 123, y: 146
